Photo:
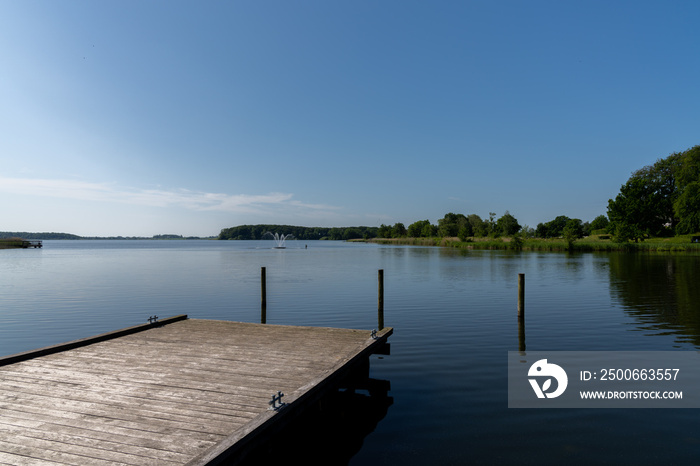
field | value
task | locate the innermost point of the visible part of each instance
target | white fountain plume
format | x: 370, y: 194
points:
x: 279, y: 239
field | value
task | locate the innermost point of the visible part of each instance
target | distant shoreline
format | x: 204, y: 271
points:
x: 11, y: 243
x: 8, y: 235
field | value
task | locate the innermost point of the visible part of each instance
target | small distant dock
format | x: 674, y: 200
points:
x: 177, y: 391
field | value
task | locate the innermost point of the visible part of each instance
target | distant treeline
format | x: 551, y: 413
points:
x: 256, y: 232
x: 36, y: 236
x: 473, y: 226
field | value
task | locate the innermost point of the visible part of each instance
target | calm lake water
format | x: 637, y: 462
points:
x: 454, y: 315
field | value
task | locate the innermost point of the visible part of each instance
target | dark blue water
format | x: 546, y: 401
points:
x: 454, y: 315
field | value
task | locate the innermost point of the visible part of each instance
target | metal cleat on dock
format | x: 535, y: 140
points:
x: 276, y: 403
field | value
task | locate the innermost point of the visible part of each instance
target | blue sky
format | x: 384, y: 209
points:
x: 140, y: 118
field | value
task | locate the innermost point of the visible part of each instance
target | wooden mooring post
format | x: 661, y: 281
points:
x: 521, y: 296
x: 380, y: 300
x: 263, y: 296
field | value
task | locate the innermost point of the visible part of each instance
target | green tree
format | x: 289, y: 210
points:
x: 555, y: 228
x: 507, y: 225
x: 686, y: 206
x: 572, y: 231
x: 384, y: 231
x: 415, y: 228
x: 600, y: 222
x: 491, y: 224
x: 478, y: 226
x: 645, y: 204
x: 633, y: 214
x: 465, y: 232
x: 398, y: 230
x: 335, y: 234
x: 451, y: 224
x: 586, y: 228
x: 352, y: 233
x: 428, y: 230
x: 541, y: 230
x: 527, y: 232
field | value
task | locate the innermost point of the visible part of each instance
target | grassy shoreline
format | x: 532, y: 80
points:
x: 590, y: 244
x: 11, y: 243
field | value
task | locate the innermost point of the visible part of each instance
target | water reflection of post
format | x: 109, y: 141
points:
x: 521, y: 335
x: 263, y: 296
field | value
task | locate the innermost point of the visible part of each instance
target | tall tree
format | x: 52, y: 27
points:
x: 420, y: 228
x: 686, y: 207
x: 600, y: 222
x: 398, y: 230
x: 645, y: 204
x: 491, y: 224
x: 429, y: 230
x: 572, y: 231
x: 634, y: 212
x: 553, y: 228
x: 451, y: 224
x: 384, y: 231
x: 479, y: 227
x: 507, y: 225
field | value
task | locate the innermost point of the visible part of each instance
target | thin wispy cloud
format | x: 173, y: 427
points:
x: 184, y: 198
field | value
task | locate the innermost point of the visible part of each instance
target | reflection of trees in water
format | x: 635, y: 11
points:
x: 660, y: 291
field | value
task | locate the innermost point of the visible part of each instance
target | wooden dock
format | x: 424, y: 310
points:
x: 176, y: 392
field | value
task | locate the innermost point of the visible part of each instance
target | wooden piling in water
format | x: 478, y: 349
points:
x: 263, y: 296
x: 521, y: 296
x: 380, y: 300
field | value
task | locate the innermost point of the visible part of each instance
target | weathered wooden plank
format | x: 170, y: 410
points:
x: 239, y: 353
x: 134, y: 428
x: 161, y: 444
x: 202, y: 398
x: 111, y: 443
x: 19, y: 460
x: 88, y: 452
x: 108, y: 413
x: 41, y: 454
x: 117, y: 400
x: 86, y: 378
